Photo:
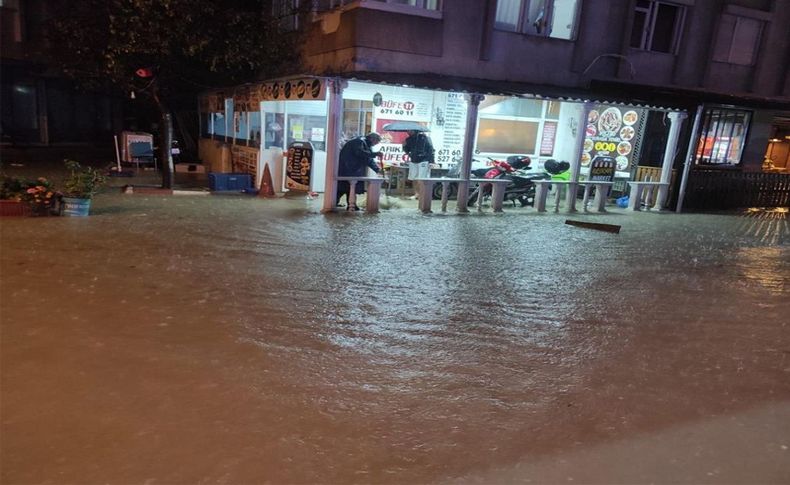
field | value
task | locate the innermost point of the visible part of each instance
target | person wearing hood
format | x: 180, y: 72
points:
x: 356, y: 157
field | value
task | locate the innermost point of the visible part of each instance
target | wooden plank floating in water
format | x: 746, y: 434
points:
x: 594, y: 225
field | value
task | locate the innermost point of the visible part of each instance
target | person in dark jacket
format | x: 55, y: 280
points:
x: 421, y: 155
x: 356, y: 157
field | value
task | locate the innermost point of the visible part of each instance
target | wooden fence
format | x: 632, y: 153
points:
x: 712, y: 190
x: 653, y: 174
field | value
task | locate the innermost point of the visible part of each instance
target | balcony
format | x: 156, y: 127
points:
x: 340, y: 25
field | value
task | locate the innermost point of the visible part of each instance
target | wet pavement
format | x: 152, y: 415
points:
x: 234, y: 339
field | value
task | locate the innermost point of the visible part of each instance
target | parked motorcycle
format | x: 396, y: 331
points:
x: 455, y: 172
x: 521, y: 188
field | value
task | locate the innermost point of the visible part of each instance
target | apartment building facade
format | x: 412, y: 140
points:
x: 723, y: 63
x: 679, y: 53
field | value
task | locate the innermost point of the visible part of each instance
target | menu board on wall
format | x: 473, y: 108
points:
x: 299, y: 166
x: 547, y: 140
x: 611, y: 132
x: 454, y: 119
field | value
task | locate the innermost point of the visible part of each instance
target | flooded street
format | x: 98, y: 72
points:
x: 239, y: 340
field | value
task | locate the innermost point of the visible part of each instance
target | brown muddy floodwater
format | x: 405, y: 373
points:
x: 169, y: 340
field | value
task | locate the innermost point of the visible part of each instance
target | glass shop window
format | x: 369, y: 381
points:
x: 722, y: 137
x: 357, y: 118
x: 255, y: 128
x: 307, y: 128
x: 507, y: 136
x: 274, y: 133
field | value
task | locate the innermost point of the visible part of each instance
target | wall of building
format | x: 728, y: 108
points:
x: 463, y: 43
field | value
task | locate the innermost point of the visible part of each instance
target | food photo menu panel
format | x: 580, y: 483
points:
x: 611, y: 131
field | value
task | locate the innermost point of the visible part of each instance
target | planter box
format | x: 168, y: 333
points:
x: 14, y: 208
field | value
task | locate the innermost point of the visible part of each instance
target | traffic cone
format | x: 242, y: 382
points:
x: 267, y: 185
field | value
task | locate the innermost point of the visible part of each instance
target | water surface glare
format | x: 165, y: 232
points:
x: 240, y: 340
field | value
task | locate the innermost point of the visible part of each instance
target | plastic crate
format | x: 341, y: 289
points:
x: 223, y: 182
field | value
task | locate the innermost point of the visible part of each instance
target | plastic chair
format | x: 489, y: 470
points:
x: 142, y: 152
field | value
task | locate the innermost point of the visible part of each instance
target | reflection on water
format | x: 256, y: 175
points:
x: 245, y: 340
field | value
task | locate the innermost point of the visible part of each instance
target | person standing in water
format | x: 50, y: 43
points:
x: 419, y: 148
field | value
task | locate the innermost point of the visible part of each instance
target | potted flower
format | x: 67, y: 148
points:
x: 80, y: 185
x: 12, y: 191
x: 41, y: 196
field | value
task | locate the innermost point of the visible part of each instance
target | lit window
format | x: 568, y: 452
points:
x: 546, y: 18
x: 722, y: 137
x: 657, y: 26
x: 507, y: 136
x: 738, y: 40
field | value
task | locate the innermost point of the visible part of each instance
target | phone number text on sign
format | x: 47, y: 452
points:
x: 404, y: 110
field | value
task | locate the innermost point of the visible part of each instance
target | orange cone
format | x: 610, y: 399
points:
x: 267, y: 185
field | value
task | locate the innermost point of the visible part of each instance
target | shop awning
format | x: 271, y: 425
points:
x: 686, y: 96
x: 505, y: 88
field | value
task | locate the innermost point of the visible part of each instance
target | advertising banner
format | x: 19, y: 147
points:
x: 611, y: 132
x: 295, y: 89
x: 602, y: 169
x: 299, y: 167
x: 391, y: 144
x: 547, y: 140
x: 453, y: 121
x: 412, y: 106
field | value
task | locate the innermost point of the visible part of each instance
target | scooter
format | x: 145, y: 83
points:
x: 522, y: 186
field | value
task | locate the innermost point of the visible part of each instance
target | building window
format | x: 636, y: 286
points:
x: 287, y: 13
x: 325, y: 5
x: 426, y: 4
x: 737, y: 40
x: 657, y: 26
x: 722, y: 138
x: 547, y: 18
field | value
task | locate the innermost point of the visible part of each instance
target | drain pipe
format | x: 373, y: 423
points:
x: 689, y: 155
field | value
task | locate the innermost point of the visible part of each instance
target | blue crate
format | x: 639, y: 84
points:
x: 223, y: 182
